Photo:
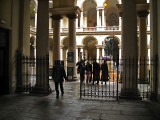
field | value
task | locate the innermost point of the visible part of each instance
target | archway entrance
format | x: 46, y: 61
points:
x: 90, y: 47
x: 112, y: 47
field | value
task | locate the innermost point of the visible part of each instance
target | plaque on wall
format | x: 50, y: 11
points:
x: 70, y: 57
x: 70, y: 73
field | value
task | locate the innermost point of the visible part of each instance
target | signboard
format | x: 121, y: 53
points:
x: 70, y: 57
x: 70, y: 73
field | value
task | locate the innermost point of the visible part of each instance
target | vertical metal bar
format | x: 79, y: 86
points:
x: 102, y: 90
x: 91, y: 90
x: 47, y: 68
x: 109, y: 80
x: 148, y: 83
x: 125, y: 72
x: 144, y: 76
x: 80, y: 89
x: 117, y: 74
x: 113, y: 79
x: 136, y: 59
x: 95, y: 90
x: 140, y: 77
x: 98, y: 89
x: 129, y: 72
x: 156, y: 76
x: 84, y: 87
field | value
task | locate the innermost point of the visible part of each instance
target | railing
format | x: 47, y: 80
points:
x: 33, y: 74
x: 112, y: 88
x: 84, y: 29
x: 88, y: 29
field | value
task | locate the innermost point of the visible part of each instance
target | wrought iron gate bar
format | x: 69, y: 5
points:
x: 118, y: 78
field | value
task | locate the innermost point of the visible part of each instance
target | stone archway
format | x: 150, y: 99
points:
x: 89, y: 50
x: 112, y: 47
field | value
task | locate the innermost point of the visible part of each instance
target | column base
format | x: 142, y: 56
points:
x: 130, y: 94
x: 40, y: 90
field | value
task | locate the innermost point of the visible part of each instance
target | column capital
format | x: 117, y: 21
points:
x: 142, y: 13
x: 72, y: 16
x: 56, y: 17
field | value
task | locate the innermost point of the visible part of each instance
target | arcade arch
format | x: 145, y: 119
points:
x: 89, y: 49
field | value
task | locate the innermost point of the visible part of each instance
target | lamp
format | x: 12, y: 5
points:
x: 105, y: 3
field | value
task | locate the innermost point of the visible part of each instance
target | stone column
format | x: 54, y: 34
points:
x: 97, y: 17
x: 72, y: 43
x: 64, y: 57
x: 154, y: 48
x: 129, y: 44
x: 103, y: 20
x: 42, y: 48
x: 76, y: 55
x: 56, y: 37
x: 81, y: 50
x: 85, y: 20
x: 25, y: 28
x: 81, y: 22
x: 103, y: 51
x: 24, y: 38
x: 143, y: 49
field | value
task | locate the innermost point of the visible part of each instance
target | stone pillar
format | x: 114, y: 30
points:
x: 61, y: 51
x: 85, y: 20
x: 81, y: 22
x: 154, y: 48
x: 56, y: 37
x: 129, y: 44
x: 72, y: 44
x: 103, y: 20
x: 81, y: 50
x: 64, y: 57
x: 25, y: 28
x: 103, y: 54
x: 76, y: 55
x: 42, y: 48
x: 25, y: 38
x: 143, y: 49
x: 97, y: 17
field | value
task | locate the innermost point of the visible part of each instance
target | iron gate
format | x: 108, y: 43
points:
x: 112, y: 88
x: 27, y: 74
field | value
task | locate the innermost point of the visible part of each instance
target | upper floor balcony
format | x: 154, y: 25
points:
x: 110, y: 30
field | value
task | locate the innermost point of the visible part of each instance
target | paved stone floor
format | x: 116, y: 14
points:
x: 70, y: 107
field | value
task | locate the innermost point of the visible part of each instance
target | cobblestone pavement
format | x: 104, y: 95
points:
x: 71, y: 107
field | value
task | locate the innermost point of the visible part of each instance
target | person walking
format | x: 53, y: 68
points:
x: 58, y: 75
x: 96, y: 71
x: 104, y: 68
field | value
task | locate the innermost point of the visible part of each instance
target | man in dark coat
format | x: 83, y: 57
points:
x: 58, y: 75
x: 96, y: 71
x: 81, y: 69
x: 104, y: 68
x: 89, y: 71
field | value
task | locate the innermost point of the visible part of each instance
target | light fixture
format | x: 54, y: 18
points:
x: 105, y: 3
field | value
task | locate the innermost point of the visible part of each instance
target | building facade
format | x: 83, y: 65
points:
x: 79, y: 27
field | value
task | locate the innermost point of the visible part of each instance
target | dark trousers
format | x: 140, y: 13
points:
x: 57, y: 89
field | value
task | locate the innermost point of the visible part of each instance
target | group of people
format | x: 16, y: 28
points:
x: 93, y: 70
x: 59, y: 74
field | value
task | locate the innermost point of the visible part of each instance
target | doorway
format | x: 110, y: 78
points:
x: 4, y: 61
